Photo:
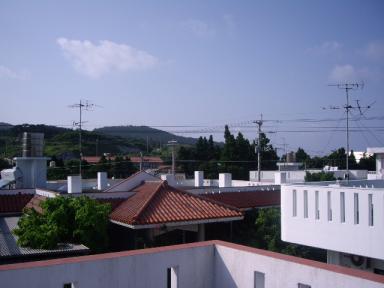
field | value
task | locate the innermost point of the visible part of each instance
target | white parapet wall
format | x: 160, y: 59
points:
x: 335, y: 217
x: 212, y: 264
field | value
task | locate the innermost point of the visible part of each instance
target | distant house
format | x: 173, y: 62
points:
x: 148, y: 162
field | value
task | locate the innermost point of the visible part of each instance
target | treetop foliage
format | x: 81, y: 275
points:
x: 65, y: 220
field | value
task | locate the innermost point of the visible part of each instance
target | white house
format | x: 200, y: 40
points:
x: 345, y: 218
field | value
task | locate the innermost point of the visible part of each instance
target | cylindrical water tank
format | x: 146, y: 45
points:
x: 33, y: 144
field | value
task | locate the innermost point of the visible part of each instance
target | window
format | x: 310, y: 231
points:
x: 305, y: 204
x: 370, y: 210
x: 294, y: 203
x: 356, y: 208
x: 317, y: 210
x: 342, y: 207
x: 329, y: 205
x: 69, y: 285
x: 259, y: 280
x: 300, y: 285
x: 172, y: 277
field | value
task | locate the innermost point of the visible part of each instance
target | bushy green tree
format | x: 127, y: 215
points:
x: 65, y: 219
x: 320, y: 176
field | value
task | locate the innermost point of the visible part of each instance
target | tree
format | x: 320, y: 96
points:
x: 367, y: 163
x: 261, y: 228
x: 320, y: 176
x: 302, y: 156
x: 65, y: 219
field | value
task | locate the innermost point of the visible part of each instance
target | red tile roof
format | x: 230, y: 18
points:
x: 14, y: 203
x: 245, y: 200
x: 157, y: 202
x: 35, y: 202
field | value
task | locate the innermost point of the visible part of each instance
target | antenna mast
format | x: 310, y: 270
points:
x: 348, y: 107
x: 259, y: 123
x: 86, y: 105
x: 172, y: 144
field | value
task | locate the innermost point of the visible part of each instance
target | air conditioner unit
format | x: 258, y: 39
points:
x: 360, y: 262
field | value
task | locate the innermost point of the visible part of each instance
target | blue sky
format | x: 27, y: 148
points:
x: 197, y: 63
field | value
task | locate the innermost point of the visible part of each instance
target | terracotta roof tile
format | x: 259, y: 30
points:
x: 35, y: 202
x: 14, y: 203
x: 157, y: 202
x: 245, y: 200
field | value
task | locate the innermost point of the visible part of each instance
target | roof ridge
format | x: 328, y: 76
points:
x: 204, y: 199
x: 125, y: 180
x: 146, y: 203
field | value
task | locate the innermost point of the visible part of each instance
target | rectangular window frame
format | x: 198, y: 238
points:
x: 342, y: 207
x: 259, y: 279
x: 305, y: 200
x: 294, y: 203
x: 356, y: 208
x: 329, y: 205
x: 370, y: 210
x: 172, y: 277
x: 317, y: 204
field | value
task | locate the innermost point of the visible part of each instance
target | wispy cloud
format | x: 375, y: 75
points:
x: 325, y: 48
x: 375, y: 51
x: 341, y: 73
x: 198, y: 27
x: 95, y: 60
x: 6, y: 72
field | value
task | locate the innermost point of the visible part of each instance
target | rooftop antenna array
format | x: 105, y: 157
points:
x: 348, y: 107
x: 172, y: 144
x: 87, y: 106
x: 259, y: 123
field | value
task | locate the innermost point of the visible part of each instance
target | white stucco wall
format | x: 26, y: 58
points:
x: 195, y: 269
x: 360, y: 239
x: 236, y: 269
x: 218, y: 265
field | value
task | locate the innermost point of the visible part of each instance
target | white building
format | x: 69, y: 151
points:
x: 206, y: 264
x: 345, y: 218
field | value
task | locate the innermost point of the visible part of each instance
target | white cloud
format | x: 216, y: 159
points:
x: 6, y: 72
x: 96, y: 60
x: 347, y: 72
x: 375, y: 51
x: 326, y: 48
x: 198, y: 27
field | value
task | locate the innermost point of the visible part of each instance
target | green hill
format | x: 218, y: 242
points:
x: 64, y: 142
x: 143, y: 132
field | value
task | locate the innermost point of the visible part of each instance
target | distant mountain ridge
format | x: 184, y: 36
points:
x: 142, y: 132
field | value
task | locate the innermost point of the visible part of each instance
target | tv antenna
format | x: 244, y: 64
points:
x: 172, y: 144
x: 87, y: 106
x: 259, y: 123
x: 348, y: 107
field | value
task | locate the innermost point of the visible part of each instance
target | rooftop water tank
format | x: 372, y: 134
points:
x: 33, y: 144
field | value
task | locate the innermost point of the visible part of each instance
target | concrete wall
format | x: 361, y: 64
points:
x: 206, y: 264
x: 143, y: 270
x: 360, y: 239
x: 236, y: 268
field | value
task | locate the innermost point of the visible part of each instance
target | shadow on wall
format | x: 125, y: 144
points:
x: 223, y: 277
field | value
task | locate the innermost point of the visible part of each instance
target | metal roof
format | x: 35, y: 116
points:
x: 10, y: 249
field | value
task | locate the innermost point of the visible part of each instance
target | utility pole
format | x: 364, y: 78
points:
x: 172, y: 144
x: 86, y: 106
x: 259, y: 123
x: 347, y: 87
